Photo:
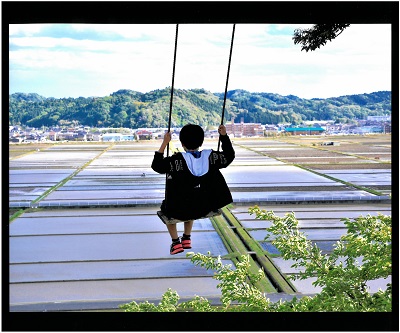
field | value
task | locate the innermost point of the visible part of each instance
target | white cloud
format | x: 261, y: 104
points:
x: 140, y: 57
x: 25, y: 29
x: 130, y: 31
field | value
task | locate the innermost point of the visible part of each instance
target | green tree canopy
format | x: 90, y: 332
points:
x: 317, y: 36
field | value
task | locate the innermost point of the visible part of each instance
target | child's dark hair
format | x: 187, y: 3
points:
x: 191, y: 136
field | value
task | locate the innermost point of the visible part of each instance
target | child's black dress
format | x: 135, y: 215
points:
x: 195, y: 186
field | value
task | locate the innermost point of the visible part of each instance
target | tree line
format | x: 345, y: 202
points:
x: 132, y: 109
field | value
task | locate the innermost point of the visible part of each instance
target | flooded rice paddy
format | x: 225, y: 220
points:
x: 104, y: 244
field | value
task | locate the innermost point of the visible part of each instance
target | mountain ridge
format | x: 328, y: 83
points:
x: 129, y: 108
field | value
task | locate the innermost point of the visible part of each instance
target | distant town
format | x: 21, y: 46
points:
x: 372, y: 125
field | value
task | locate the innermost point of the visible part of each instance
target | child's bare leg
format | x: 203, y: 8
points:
x: 172, y: 230
x: 187, y: 227
x: 176, y: 246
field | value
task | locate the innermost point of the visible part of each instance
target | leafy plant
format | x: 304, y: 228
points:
x: 238, y: 294
x: 362, y: 255
x: 169, y: 302
x: 318, y: 35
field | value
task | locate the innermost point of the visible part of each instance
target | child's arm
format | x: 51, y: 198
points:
x: 224, y: 158
x: 167, y: 139
x: 160, y: 164
x: 222, y: 130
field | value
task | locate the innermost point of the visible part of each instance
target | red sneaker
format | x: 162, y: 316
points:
x: 176, y: 248
x: 186, y: 243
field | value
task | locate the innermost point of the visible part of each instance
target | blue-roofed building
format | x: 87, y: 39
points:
x: 304, y: 130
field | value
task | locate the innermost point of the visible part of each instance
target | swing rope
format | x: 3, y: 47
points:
x: 227, y: 80
x: 172, y: 86
x: 173, y: 79
x: 170, y: 108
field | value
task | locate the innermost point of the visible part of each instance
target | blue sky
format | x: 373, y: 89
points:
x: 72, y: 60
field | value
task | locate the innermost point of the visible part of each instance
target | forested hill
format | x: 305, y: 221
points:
x: 127, y: 108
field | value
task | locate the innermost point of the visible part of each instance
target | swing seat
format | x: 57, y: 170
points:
x: 167, y: 220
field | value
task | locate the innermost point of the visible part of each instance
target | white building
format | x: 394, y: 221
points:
x: 111, y: 137
x: 379, y: 118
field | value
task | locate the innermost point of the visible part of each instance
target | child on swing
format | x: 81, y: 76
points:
x: 195, y: 186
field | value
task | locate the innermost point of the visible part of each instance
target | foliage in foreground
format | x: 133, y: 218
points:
x: 362, y: 255
x: 317, y: 36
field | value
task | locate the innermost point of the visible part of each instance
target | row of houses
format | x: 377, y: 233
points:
x: 242, y: 129
x: 56, y: 134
